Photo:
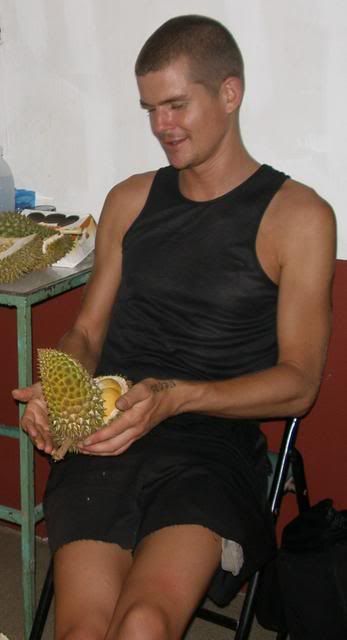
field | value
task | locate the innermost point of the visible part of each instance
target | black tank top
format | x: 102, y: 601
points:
x: 194, y: 302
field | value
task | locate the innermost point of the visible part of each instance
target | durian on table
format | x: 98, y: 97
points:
x: 27, y: 246
x: 77, y: 404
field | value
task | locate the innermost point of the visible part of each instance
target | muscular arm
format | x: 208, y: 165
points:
x: 305, y: 250
x: 85, y: 338
x: 297, y: 249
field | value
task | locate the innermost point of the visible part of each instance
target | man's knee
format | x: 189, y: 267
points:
x: 145, y: 621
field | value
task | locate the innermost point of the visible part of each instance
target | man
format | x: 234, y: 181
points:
x: 211, y: 291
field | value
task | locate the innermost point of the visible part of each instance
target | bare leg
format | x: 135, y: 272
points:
x: 88, y: 577
x: 169, y: 576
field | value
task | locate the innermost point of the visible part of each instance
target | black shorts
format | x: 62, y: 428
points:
x: 188, y: 470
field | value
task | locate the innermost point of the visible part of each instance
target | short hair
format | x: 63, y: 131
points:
x: 209, y: 47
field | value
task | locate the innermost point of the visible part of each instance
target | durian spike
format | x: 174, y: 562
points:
x: 18, y: 256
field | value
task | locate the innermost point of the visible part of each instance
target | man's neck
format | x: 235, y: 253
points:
x: 218, y: 176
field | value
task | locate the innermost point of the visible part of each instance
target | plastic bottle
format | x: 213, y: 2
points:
x: 7, y: 190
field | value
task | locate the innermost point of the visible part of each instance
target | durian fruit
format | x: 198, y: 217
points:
x: 17, y: 258
x: 17, y: 225
x: 77, y: 404
x: 54, y: 248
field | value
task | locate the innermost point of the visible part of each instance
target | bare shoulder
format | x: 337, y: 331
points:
x: 137, y: 186
x: 299, y: 206
x: 298, y: 228
x: 300, y: 218
x: 125, y: 201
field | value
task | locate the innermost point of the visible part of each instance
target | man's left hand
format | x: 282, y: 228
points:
x: 144, y: 406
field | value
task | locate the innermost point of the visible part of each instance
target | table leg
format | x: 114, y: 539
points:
x: 27, y: 480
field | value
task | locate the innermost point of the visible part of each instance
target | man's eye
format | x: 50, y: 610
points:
x: 178, y: 105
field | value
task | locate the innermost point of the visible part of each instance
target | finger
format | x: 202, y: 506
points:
x: 41, y: 440
x: 28, y: 425
x: 122, y: 449
x: 111, y: 446
x: 36, y: 431
x: 23, y: 395
x: 113, y: 429
x: 35, y: 419
x: 37, y: 405
x: 137, y: 393
x: 44, y: 445
x: 113, y: 452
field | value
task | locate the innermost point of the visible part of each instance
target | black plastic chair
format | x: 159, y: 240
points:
x: 287, y: 475
x: 287, y: 466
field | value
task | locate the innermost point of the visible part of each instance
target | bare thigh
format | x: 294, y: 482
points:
x: 170, y: 574
x: 88, y: 578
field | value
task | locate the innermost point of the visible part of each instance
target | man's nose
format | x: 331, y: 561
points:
x: 161, y: 120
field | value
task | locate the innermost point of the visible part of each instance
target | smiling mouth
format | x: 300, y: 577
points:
x: 170, y: 144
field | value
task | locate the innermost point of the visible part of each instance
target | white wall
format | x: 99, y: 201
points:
x: 69, y: 117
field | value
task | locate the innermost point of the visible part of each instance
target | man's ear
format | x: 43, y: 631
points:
x: 232, y: 92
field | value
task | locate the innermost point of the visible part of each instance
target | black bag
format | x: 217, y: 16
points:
x: 304, y: 591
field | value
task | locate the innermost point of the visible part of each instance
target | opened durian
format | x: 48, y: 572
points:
x: 77, y: 404
x: 27, y: 246
x: 17, y: 256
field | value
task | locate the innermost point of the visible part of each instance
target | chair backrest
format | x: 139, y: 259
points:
x: 281, y: 464
x: 287, y: 464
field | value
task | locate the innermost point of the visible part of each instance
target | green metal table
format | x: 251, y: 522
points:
x: 23, y: 294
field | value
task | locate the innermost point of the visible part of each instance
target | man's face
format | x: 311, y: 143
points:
x: 189, y: 121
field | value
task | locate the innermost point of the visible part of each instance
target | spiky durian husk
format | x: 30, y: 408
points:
x: 42, y: 253
x: 56, y: 250
x: 75, y: 402
x: 16, y: 225
x: 18, y: 256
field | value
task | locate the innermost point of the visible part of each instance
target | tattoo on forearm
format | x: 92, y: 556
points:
x: 163, y: 385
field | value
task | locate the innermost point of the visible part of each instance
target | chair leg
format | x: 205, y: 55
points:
x: 301, y: 491
x: 248, y: 610
x: 43, y: 606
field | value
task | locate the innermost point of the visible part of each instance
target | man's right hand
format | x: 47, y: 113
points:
x: 35, y: 419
